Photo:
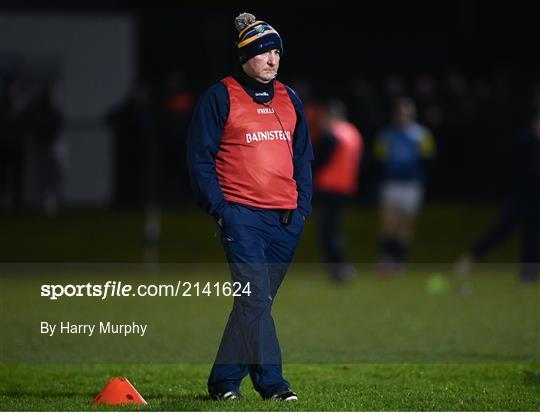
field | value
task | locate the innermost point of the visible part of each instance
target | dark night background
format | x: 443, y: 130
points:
x: 471, y: 66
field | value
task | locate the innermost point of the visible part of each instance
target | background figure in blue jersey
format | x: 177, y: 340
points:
x: 403, y: 149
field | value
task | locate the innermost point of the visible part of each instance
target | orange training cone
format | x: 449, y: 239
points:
x: 119, y: 391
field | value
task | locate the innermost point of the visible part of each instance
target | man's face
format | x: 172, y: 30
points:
x: 264, y: 66
x: 404, y: 114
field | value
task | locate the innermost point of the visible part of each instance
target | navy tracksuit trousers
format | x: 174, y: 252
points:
x: 259, y: 249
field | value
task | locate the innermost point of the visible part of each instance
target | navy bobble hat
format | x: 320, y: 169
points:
x: 255, y: 37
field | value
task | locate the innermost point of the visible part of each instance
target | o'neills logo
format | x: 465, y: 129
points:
x: 270, y: 135
x: 265, y: 111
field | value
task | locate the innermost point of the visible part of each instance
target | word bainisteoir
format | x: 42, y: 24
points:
x: 120, y: 289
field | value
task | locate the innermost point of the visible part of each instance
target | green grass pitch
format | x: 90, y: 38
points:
x: 320, y: 388
x: 376, y: 344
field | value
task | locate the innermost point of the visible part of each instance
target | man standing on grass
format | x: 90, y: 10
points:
x: 249, y: 158
x: 338, y: 150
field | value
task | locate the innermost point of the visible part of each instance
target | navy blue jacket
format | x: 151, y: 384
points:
x: 204, y: 140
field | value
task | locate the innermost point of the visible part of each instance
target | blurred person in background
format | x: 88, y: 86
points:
x: 174, y: 114
x: 338, y: 151
x: 249, y: 158
x: 44, y: 122
x: 403, y: 151
x: 522, y: 209
x: 136, y: 152
x: 12, y: 144
x: 132, y: 125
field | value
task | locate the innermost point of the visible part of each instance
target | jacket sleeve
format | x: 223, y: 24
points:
x: 302, y: 157
x: 203, y: 143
